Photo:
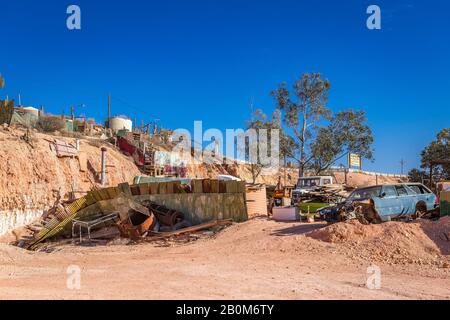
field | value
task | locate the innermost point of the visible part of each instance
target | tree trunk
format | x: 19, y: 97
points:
x: 302, y: 150
x: 301, y: 170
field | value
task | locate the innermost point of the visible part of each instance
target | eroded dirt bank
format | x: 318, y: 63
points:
x: 32, y: 176
x: 258, y: 259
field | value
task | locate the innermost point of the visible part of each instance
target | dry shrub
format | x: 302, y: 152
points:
x: 50, y: 124
x: 96, y: 143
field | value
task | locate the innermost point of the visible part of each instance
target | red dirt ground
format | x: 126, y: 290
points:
x: 259, y: 259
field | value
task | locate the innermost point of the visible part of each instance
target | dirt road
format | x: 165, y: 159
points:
x: 258, y: 259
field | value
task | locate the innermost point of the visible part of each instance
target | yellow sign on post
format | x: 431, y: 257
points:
x: 354, y: 160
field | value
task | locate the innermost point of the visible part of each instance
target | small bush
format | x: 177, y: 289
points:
x: 96, y: 143
x: 50, y: 124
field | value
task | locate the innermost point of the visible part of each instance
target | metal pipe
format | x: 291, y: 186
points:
x: 103, y: 173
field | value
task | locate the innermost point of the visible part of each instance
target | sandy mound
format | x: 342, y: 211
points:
x: 424, y: 242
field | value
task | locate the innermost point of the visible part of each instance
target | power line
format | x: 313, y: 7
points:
x: 133, y: 107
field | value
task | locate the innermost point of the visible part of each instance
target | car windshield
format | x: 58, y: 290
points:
x: 364, y: 194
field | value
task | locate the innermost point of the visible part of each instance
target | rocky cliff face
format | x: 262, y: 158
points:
x: 32, y: 176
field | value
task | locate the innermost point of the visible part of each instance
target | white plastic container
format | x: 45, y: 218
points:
x: 286, y: 214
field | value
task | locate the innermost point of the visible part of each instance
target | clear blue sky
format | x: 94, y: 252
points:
x: 182, y: 61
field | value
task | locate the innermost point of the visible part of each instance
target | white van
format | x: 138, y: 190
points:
x: 307, y: 184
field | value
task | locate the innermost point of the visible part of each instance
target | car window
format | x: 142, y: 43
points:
x: 390, y: 191
x: 401, y: 190
x: 326, y: 181
x: 424, y: 190
x: 416, y: 188
x: 363, y: 194
x: 309, y: 182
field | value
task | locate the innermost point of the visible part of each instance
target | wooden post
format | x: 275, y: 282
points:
x: 103, y: 173
x: 345, y: 174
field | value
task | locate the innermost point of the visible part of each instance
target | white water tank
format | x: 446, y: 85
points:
x: 121, y: 123
x: 31, y: 110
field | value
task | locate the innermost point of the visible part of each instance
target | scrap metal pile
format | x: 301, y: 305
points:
x: 128, y: 211
x: 124, y: 218
x: 363, y: 211
x: 333, y: 193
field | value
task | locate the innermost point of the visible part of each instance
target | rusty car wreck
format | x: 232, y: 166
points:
x: 383, y: 203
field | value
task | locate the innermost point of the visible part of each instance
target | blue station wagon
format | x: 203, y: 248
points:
x: 393, y: 201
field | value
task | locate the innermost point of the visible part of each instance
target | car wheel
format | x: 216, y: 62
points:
x: 421, y: 210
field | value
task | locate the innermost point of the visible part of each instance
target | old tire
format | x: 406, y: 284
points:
x: 421, y: 210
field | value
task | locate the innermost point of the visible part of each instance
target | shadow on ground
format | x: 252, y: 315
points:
x: 298, y: 229
x: 440, y: 235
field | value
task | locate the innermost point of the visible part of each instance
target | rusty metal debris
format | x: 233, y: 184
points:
x: 165, y: 216
x: 135, y: 221
x: 128, y: 219
x: 363, y: 211
x: 137, y: 217
x: 327, y: 194
x: 92, y: 224
x: 162, y: 235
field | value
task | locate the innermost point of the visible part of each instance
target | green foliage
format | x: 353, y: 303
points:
x: 304, y: 106
x: 347, y: 133
x: 260, y: 121
x: 302, y: 110
x: 416, y: 175
x: 437, y: 150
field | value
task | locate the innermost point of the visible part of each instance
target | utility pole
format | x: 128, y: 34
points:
x: 103, y: 172
x: 72, y: 112
x: 109, y: 110
x: 402, y: 165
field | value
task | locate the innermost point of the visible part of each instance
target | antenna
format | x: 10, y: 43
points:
x: 109, y: 110
x: 402, y: 165
x: 252, y: 107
